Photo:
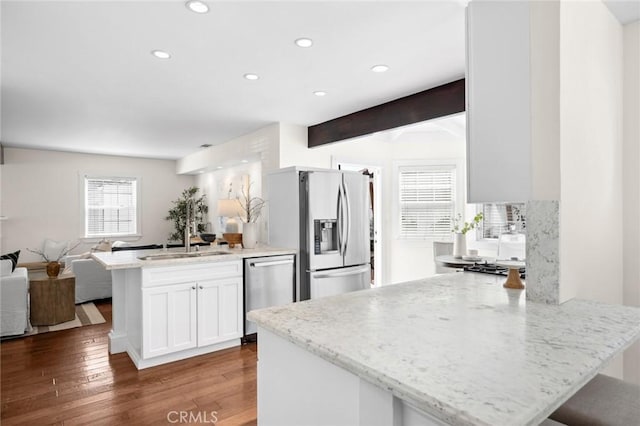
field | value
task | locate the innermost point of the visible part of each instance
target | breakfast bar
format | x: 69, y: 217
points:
x: 452, y: 349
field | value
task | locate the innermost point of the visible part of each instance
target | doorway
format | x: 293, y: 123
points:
x: 375, y: 181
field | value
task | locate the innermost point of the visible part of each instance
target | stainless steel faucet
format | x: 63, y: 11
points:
x: 187, y: 226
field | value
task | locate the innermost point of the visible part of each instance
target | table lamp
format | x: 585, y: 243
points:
x: 230, y: 208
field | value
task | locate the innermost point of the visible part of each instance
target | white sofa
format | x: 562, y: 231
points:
x: 14, y: 302
x: 93, y: 282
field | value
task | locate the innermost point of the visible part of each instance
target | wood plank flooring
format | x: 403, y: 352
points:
x: 68, y: 378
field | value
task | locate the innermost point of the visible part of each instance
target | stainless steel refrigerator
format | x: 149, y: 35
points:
x: 325, y: 215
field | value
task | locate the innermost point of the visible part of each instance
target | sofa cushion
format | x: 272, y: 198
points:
x: 53, y: 250
x: 6, y: 267
x: 13, y: 257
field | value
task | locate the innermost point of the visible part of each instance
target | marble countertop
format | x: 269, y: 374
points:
x: 460, y: 346
x: 126, y: 259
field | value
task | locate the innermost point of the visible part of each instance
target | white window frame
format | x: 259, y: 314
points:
x: 83, y: 180
x: 398, y: 166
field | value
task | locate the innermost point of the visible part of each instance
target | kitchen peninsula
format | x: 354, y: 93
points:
x: 170, y: 305
x: 452, y: 349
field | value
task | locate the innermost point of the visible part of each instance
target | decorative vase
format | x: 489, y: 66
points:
x: 459, y: 245
x: 53, y: 269
x: 249, y: 235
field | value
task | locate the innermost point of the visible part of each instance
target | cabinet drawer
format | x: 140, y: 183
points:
x: 165, y: 275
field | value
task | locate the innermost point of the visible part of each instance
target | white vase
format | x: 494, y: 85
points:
x: 459, y: 245
x: 249, y: 235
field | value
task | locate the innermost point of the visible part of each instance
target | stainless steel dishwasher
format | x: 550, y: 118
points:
x: 268, y: 281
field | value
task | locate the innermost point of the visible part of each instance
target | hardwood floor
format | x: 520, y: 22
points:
x: 67, y: 377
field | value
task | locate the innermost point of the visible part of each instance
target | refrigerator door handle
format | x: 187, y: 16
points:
x: 348, y: 216
x: 340, y: 227
x: 273, y: 263
x: 343, y: 274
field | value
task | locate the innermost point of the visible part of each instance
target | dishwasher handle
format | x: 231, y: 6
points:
x: 273, y: 263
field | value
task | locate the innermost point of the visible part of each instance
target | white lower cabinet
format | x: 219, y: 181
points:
x: 169, y: 319
x: 219, y: 310
x: 203, y: 309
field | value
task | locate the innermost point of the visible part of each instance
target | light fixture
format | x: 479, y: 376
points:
x: 219, y: 167
x: 304, y: 42
x: 161, y: 54
x: 205, y: 145
x: 379, y: 68
x: 197, y: 6
x: 319, y: 93
x: 244, y: 161
x: 251, y: 76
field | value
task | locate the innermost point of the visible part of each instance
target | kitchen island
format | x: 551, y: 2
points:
x: 452, y: 349
x: 167, y: 307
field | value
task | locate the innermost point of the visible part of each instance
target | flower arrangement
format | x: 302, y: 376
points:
x: 61, y: 254
x: 467, y: 226
x: 251, y: 206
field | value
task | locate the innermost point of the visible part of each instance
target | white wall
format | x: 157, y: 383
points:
x: 591, y: 153
x: 41, y: 196
x: 631, y: 186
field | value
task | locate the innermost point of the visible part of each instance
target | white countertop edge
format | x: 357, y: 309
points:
x: 128, y: 259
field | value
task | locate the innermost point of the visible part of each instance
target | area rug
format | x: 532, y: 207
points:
x: 86, y: 314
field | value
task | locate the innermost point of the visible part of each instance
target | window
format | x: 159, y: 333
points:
x: 427, y: 201
x: 498, y: 218
x: 111, y: 206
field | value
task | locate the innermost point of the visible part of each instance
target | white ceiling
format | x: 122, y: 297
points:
x: 79, y: 76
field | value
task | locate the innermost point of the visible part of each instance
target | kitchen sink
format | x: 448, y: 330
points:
x: 164, y: 256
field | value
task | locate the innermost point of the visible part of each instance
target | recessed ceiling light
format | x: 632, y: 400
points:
x: 251, y: 76
x: 244, y: 161
x: 205, y: 145
x: 379, y: 68
x: 160, y: 54
x: 197, y: 6
x: 219, y: 167
x: 304, y: 42
x: 319, y: 93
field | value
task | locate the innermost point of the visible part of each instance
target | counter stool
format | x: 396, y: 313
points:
x: 603, y: 401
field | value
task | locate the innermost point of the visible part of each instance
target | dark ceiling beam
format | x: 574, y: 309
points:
x: 433, y: 103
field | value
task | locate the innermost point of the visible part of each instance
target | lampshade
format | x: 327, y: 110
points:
x: 229, y: 208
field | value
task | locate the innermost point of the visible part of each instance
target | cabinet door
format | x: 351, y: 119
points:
x: 498, y: 101
x: 169, y: 319
x: 219, y: 310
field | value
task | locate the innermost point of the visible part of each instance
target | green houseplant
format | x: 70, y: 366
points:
x: 178, y: 214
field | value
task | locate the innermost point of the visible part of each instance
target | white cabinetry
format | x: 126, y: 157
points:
x: 498, y: 101
x: 188, y: 310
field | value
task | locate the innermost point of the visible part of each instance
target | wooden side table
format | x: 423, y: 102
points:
x: 52, y: 299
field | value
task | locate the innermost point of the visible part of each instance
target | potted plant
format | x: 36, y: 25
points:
x: 178, y: 214
x: 460, y: 230
x: 252, y: 209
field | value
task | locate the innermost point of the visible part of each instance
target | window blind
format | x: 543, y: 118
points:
x: 498, y: 217
x: 110, y: 206
x: 427, y: 201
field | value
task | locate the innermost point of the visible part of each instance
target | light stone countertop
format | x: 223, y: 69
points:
x: 461, y: 347
x: 125, y: 259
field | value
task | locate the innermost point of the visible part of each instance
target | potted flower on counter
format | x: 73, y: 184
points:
x: 252, y: 209
x: 460, y: 231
